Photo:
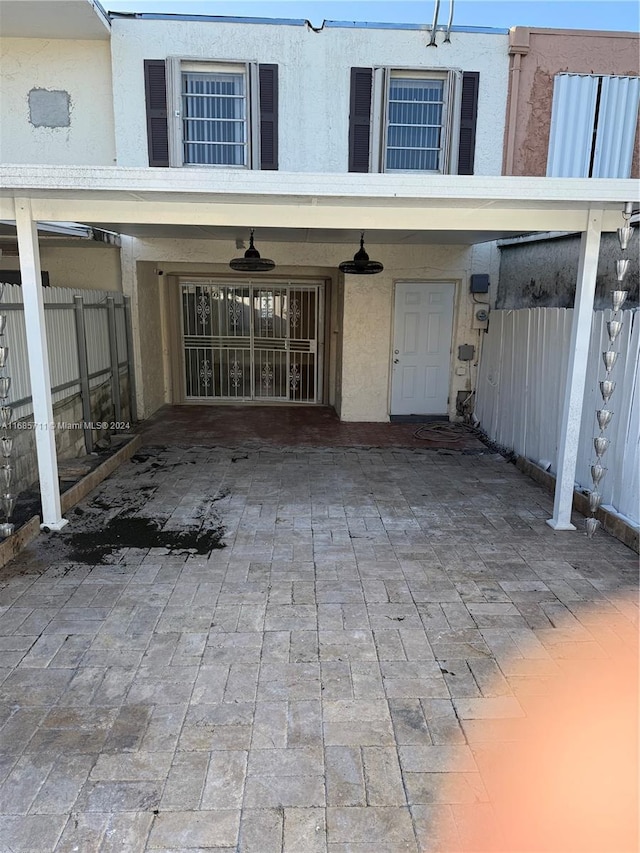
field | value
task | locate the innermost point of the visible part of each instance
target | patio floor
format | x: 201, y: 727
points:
x: 287, y: 426
x: 373, y: 621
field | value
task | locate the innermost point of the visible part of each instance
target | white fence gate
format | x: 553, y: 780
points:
x: 520, y: 391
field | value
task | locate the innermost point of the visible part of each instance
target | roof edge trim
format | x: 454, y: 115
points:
x: 101, y: 13
x: 298, y: 22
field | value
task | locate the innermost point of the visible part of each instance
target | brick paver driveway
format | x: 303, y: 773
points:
x: 305, y: 688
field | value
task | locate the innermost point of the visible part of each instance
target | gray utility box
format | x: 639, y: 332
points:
x: 466, y: 352
x: 479, y: 283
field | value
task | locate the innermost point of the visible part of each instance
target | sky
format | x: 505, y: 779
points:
x: 571, y: 14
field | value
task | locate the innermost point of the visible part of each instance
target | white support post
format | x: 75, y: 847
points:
x: 31, y: 275
x: 130, y: 288
x: 576, y: 372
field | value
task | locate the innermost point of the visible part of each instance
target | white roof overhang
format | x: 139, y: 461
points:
x: 64, y: 19
x: 319, y: 207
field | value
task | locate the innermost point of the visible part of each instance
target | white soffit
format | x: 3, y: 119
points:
x: 347, y: 236
x: 53, y: 19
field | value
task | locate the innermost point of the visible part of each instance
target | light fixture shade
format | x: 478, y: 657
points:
x: 361, y: 265
x: 252, y: 262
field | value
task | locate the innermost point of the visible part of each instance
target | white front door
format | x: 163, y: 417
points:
x: 421, y: 349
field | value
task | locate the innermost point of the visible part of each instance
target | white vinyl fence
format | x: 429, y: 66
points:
x: 520, y: 392
x: 87, y: 341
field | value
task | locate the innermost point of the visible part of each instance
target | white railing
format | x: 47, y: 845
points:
x: 520, y: 390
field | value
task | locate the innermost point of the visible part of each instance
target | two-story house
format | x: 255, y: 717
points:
x: 189, y: 135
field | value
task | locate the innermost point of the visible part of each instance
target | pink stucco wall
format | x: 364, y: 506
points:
x: 541, y: 54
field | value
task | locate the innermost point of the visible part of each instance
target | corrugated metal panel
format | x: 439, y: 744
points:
x: 617, y: 121
x: 520, y: 392
x: 572, y: 121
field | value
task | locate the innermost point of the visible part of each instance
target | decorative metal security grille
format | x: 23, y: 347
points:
x: 214, y: 118
x: 250, y: 342
x: 415, y: 123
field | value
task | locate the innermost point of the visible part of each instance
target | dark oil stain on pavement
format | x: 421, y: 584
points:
x: 92, y: 546
x: 142, y: 507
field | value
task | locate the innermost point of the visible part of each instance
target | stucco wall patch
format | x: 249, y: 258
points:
x: 56, y: 98
x: 49, y: 108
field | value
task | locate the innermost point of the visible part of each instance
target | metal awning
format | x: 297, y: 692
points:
x: 391, y: 208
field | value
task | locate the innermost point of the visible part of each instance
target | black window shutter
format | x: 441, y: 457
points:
x: 155, y: 85
x: 268, y: 80
x: 360, y: 119
x: 468, y: 116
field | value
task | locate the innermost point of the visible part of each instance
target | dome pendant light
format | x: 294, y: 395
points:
x: 251, y: 262
x: 361, y: 265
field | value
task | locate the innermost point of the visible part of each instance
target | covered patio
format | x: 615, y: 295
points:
x: 451, y: 210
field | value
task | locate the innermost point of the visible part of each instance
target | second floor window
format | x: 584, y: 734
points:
x: 415, y: 122
x: 215, y: 128
x: 211, y: 113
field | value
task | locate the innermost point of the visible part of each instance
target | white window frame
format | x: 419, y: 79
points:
x: 452, y: 94
x: 176, y: 66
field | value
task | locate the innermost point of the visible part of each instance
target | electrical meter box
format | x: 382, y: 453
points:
x: 479, y: 283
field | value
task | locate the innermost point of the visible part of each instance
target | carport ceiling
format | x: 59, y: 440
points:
x: 228, y: 234
x: 303, y: 235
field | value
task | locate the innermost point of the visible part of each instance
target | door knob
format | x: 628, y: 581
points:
x: 396, y: 361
